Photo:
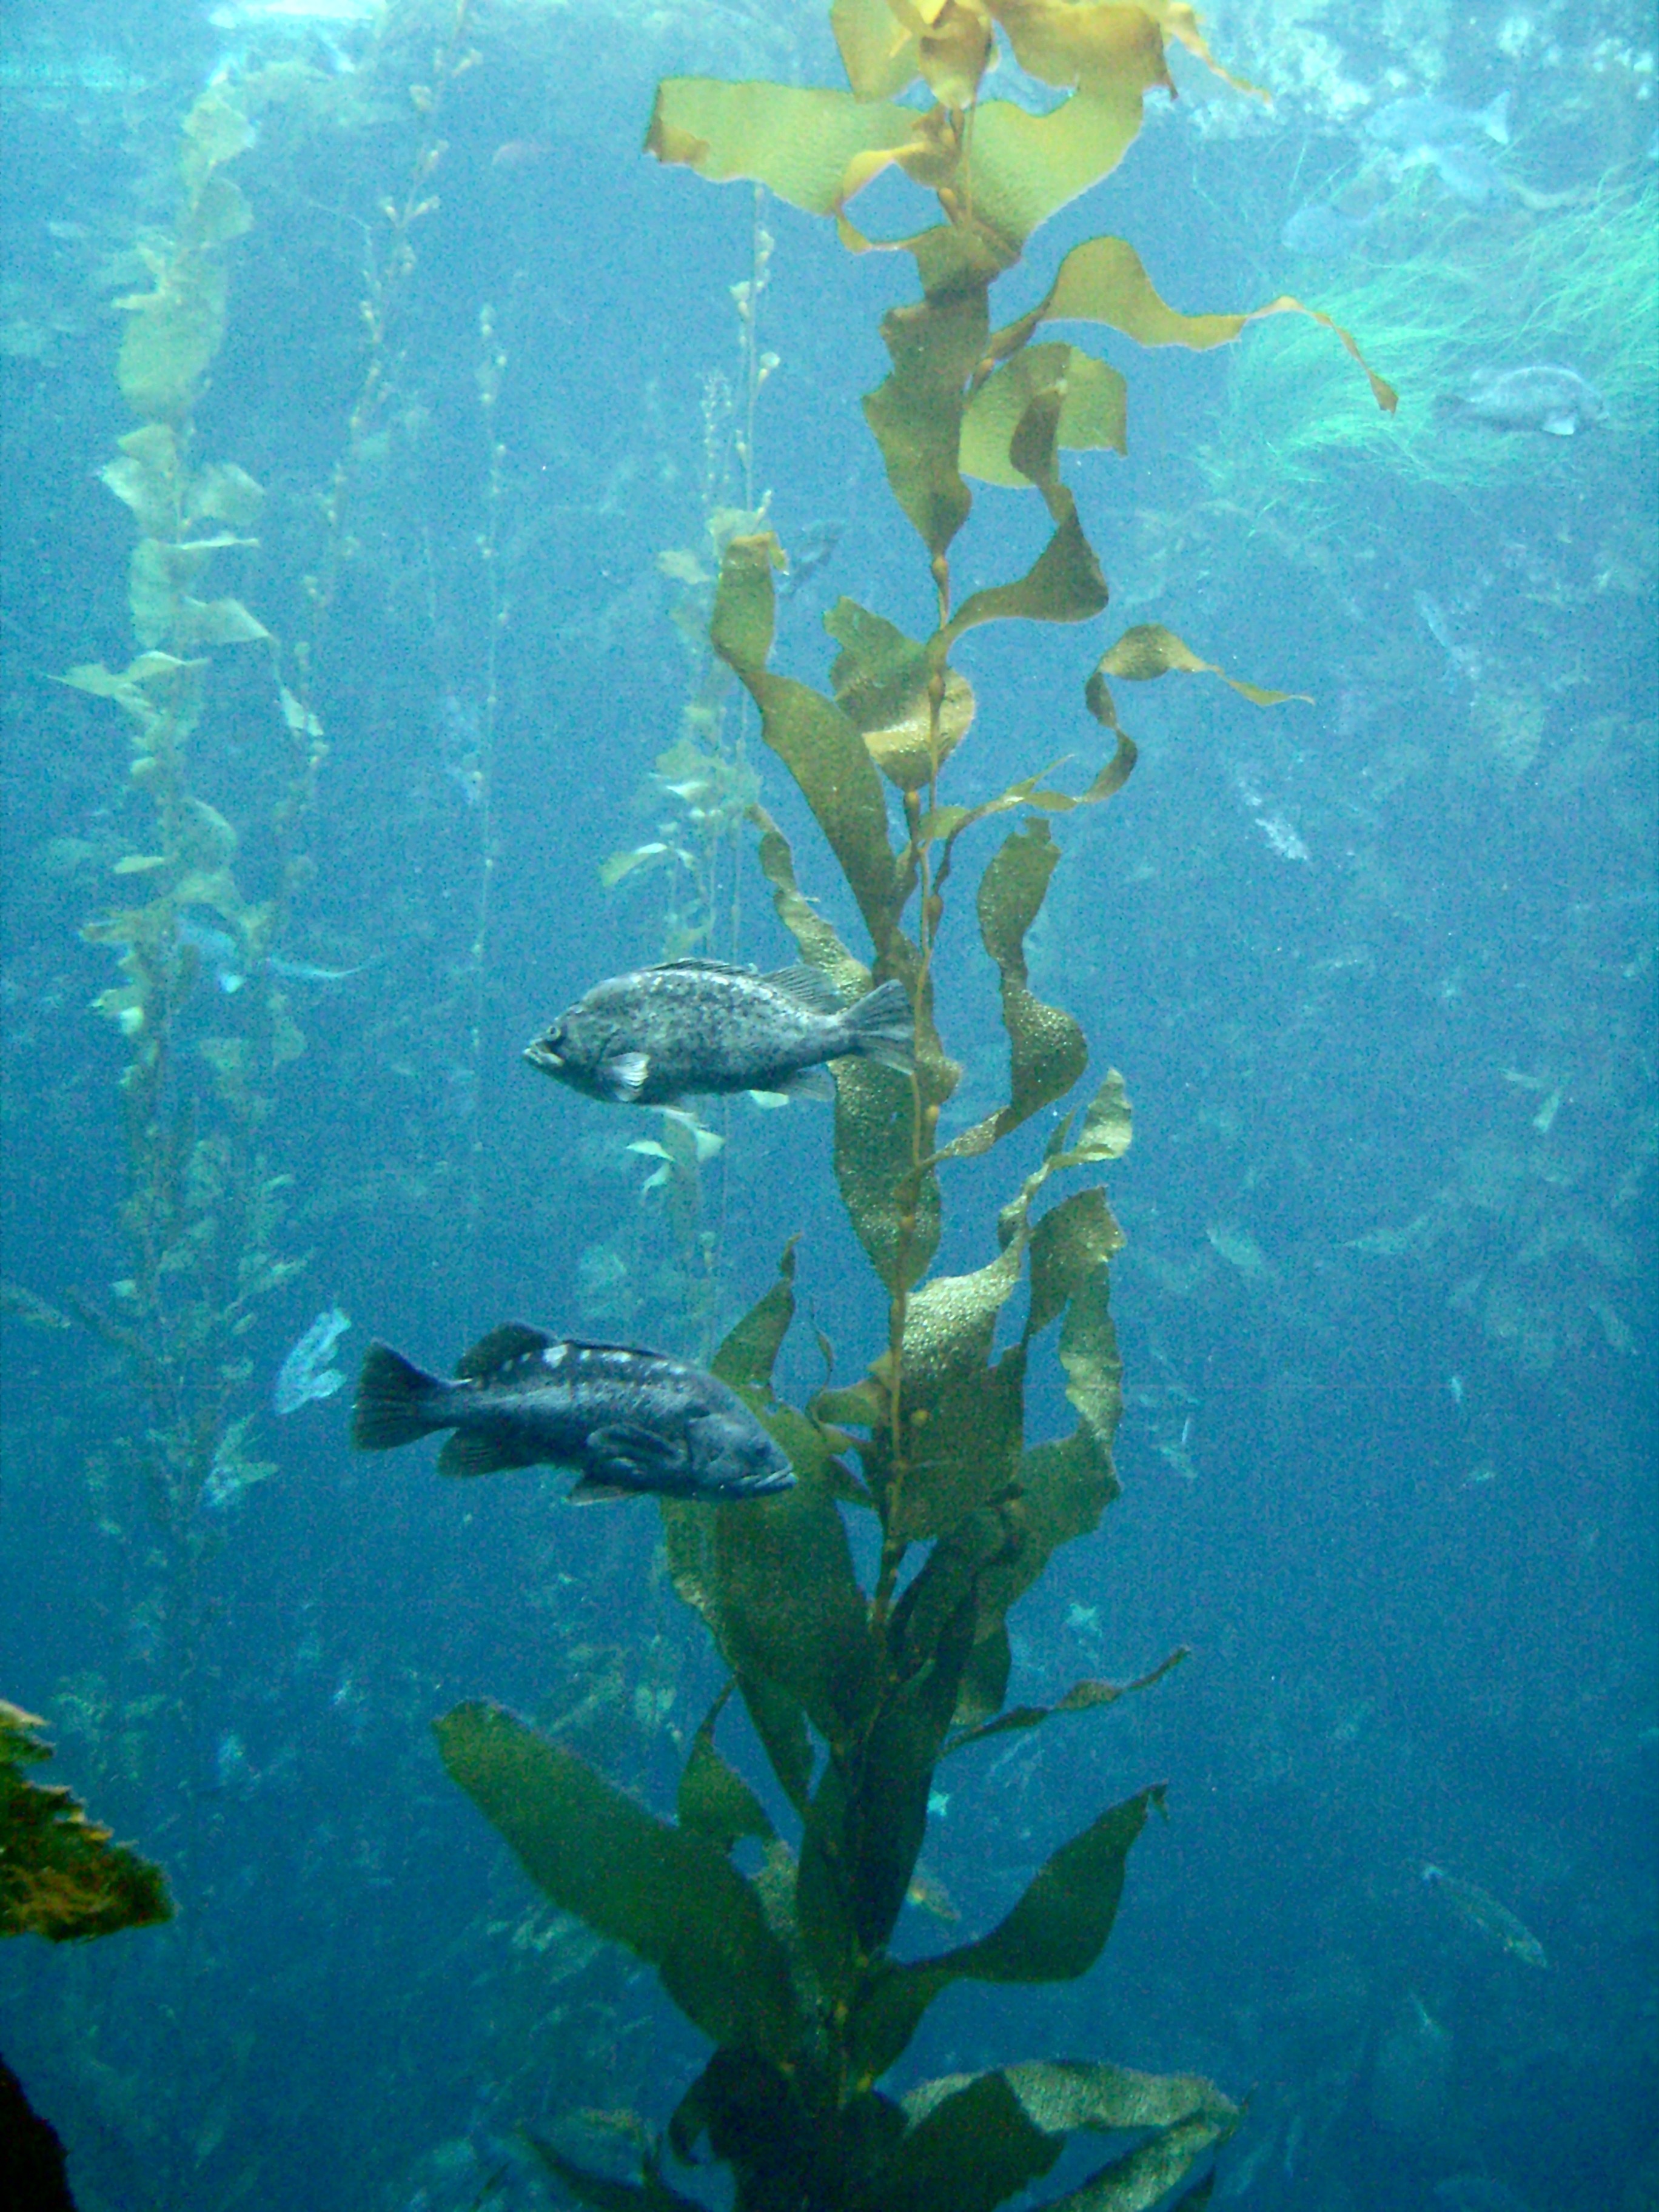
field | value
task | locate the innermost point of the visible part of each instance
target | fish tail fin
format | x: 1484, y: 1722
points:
x: 1495, y: 119
x: 884, y: 1028
x: 395, y: 1402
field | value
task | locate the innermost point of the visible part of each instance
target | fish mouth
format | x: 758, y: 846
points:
x: 541, y: 1054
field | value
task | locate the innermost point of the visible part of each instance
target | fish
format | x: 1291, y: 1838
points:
x: 1494, y: 1920
x: 814, y: 550
x: 650, y: 1037
x: 1546, y: 398
x: 15, y: 1298
x: 1324, y: 231
x: 305, y: 1373
x: 1420, y: 125
x: 629, y: 1421
x: 218, y: 950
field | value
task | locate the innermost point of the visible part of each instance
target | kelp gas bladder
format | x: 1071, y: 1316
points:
x: 855, y: 1695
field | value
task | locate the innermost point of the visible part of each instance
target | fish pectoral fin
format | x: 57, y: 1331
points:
x: 592, y: 1491
x: 768, y: 1100
x: 626, y: 1444
x: 625, y: 1076
x: 1561, y: 426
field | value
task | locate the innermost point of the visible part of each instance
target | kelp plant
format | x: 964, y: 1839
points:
x: 856, y: 1695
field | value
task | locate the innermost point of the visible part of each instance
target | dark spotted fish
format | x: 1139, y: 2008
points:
x: 657, y: 1034
x: 628, y: 1421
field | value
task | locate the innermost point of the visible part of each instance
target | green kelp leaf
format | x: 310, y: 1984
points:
x: 670, y: 1896
x: 216, y: 130
x: 801, y: 144
x: 811, y: 735
x: 773, y: 1581
x: 880, y: 54
x: 1147, y: 2174
x: 1064, y: 585
x: 820, y: 945
x: 1047, y: 1051
x: 217, y: 622
x: 219, y: 213
x: 149, y: 478
x: 1065, y: 1487
x: 882, y: 680
x: 962, y: 1417
x: 1055, y: 1932
x: 222, y: 493
x: 1103, y: 281
x: 714, y: 1801
x: 1082, y: 1697
x: 887, y: 1813
x: 751, y: 1347
x: 969, y: 2149
x: 780, y: 1722
x: 894, y: 1213
x: 1092, y: 412
x: 61, y: 1876
x: 915, y: 416
x: 949, y: 1579
x: 1019, y: 2115
x: 985, y: 1678
x: 171, y: 339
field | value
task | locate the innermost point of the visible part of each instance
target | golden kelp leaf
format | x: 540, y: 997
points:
x: 915, y: 416
x: 751, y: 1347
x: 1092, y: 414
x: 879, y: 54
x: 1082, y: 1697
x: 798, y: 144
x: 1046, y: 1051
x: 1022, y: 169
x: 217, y: 622
x: 1149, y: 650
x: 811, y: 735
x: 881, y: 678
x: 61, y: 1876
x: 1064, y: 584
x: 1103, y: 281
x: 955, y: 49
x: 820, y: 945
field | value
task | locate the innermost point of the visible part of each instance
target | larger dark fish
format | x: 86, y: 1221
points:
x: 650, y: 1037
x: 628, y: 1421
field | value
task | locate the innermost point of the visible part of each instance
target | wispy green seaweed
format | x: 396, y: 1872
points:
x: 1579, y: 285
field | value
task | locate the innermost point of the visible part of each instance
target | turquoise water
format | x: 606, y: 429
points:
x: 1377, y: 970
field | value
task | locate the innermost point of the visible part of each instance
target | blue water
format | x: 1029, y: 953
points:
x: 1377, y: 970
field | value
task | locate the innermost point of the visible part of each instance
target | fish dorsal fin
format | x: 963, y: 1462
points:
x: 503, y: 1347
x: 809, y: 987
x: 625, y: 1076
x: 633, y: 1351
x: 694, y: 966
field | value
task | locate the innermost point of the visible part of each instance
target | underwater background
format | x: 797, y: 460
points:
x: 1377, y: 964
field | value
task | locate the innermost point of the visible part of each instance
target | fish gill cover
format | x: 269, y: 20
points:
x: 856, y: 1695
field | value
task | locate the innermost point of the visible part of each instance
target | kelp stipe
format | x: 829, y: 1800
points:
x: 857, y: 1695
